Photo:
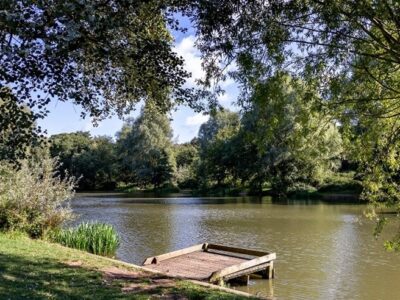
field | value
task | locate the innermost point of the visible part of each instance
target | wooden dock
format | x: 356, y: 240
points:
x: 214, y: 263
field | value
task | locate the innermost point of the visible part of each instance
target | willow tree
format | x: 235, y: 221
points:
x: 295, y: 147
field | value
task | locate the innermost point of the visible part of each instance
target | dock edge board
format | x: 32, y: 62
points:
x: 243, y: 268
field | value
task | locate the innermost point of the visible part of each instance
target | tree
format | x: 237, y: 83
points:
x: 18, y: 131
x: 105, y: 56
x: 104, y: 152
x: 294, y: 145
x: 69, y: 147
x: 304, y: 37
x: 145, y: 149
x: 92, y: 160
x: 347, y: 50
x: 187, y: 160
x: 214, y: 138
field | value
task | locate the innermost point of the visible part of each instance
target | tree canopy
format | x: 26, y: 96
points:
x: 347, y: 51
x: 91, y: 160
x: 145, y: 148
x: 18, y: 131
x: 105, y: 56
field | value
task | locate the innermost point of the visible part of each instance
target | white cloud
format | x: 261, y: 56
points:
x: 196, y: 120
x: 191, y: 55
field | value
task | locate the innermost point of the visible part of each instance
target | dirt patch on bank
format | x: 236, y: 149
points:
x: 158, y: 286
x: 74, y: 263
x: 111, y: 273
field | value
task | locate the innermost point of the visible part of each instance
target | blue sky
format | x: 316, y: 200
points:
x: 65, y: 116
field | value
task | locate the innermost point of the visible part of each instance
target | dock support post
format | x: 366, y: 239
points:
x: 270, y: 270
x: 246, y: 279
x: 221, y: 282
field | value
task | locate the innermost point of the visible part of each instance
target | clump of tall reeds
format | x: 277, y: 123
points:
x: 96, y: 238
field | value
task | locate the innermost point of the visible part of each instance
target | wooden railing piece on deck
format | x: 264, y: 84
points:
x: 236, y: 250
x: 159, y: 258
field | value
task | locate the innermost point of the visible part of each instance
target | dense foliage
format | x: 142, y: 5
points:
x: 145, y: 149
x: 18, y: 132
x: 348, y: 51
x: 91, y: 160
x: 103, y: 55
x: 34, y: 198
x: 278, y: 142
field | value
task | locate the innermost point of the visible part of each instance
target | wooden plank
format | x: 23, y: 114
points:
x: 252, y: 270
x: 236, y: 250
x: 159, y: 258
x: 270, y: 270
x: 218, y: 266
x: 199, y: 265
x: 216, y: 276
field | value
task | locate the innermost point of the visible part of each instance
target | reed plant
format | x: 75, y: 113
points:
x: 96, y: 238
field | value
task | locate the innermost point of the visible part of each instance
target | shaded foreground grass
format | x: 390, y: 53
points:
x: 34, y: 269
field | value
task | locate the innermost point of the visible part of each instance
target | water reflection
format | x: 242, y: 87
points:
x: 323, y: 251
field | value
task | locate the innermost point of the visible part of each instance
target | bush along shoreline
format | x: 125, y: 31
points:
x: 34, y: 197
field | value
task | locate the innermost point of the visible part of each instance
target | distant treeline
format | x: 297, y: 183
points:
x: 280, y: 143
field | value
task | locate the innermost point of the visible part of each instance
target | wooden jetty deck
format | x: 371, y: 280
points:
x: 214, y: 263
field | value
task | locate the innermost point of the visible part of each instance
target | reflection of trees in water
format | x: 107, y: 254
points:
x: 146, y: 230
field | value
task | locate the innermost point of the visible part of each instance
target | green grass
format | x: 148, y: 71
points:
x: 342, y: 183
x: 35, y: 269
x: 96, y: 238
x: 338, y: 187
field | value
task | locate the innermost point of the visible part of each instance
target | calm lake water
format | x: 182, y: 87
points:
x: 324, y: 251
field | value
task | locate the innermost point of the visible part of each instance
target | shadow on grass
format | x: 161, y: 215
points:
x: 38, y: 277
x: 41, y: 278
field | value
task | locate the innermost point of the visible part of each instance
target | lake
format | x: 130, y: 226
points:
x: 324, y: 251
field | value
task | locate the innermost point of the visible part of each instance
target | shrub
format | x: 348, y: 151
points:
x: 96, y: 238
x: 33, y: 197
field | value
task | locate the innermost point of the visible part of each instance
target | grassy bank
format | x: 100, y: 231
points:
x: 35, y: 269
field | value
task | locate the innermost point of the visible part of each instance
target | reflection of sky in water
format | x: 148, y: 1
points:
x: 323, y: 251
